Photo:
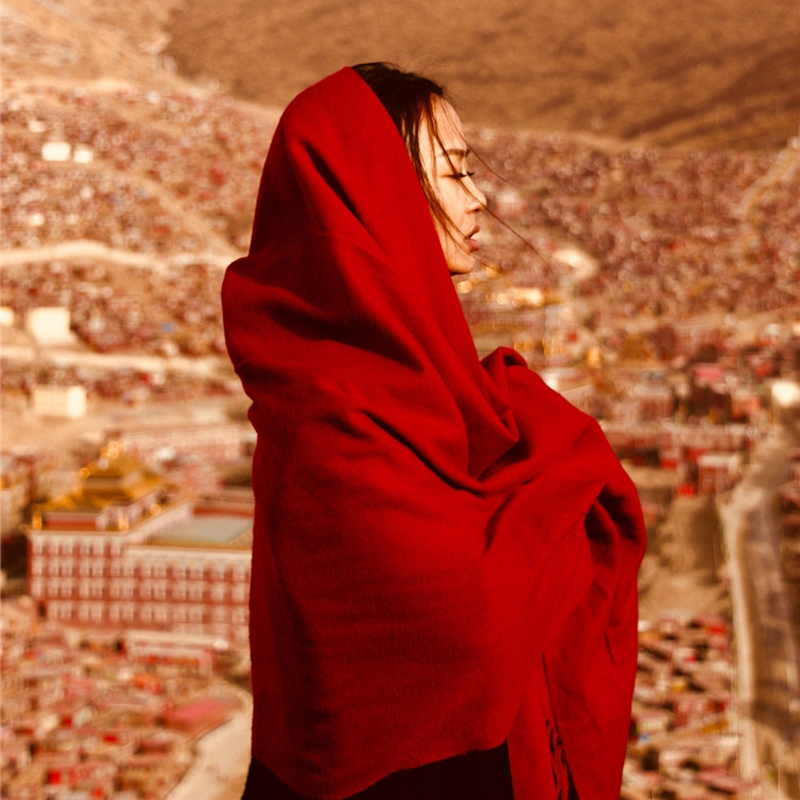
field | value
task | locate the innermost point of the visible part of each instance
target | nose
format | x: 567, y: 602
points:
x: 476, y: 199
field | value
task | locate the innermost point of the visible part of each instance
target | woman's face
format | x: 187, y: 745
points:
x: 445, y: 164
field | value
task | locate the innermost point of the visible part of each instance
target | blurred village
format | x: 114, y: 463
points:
x: 658, y: 290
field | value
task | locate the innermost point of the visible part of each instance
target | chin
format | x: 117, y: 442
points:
x: 461, y: 269
x: 461, y: 265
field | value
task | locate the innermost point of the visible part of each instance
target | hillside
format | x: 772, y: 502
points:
x: 84, y: 40
x: 721, y: 73
x: 676, y: 231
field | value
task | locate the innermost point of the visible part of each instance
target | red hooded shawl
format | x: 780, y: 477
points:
x: 445, y: 550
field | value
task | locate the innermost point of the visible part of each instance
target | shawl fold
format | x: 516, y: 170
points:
x: 445, y: 551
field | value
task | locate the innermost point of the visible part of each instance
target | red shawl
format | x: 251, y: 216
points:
x: 445, y: 550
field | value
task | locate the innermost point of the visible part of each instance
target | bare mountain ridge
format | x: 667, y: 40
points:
x: 722, y: 73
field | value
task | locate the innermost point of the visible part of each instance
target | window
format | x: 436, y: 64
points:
x: 196, y: 593
x: 160, y: 591
x: 37, y: 546
x: 159, y: 570
x: 114, y: 612
x: 145, y: 591
x: 36, y: 567
x: 84, y: 569
x: 98, y: 568
x: 239, y: 616
x: 146, y: 614
x: 217, y: 593
x: 239, y: 593
x: 162, y: 613
x: 98, y: 547
x: 97, y: 612
x: 145, y: 570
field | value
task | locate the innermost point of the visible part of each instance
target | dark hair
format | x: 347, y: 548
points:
x: 409, y: 99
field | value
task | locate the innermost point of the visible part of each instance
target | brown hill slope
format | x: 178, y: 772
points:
x: 81, y: 41
x: 713, y: 73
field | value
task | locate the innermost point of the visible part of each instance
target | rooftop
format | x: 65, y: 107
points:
x: 219, y: 530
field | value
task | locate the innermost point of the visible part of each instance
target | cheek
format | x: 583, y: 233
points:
x: 449, y: 197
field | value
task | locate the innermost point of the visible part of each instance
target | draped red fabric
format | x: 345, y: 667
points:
x: 445, y: 551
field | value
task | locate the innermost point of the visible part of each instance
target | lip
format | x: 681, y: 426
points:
x: 471, y: 241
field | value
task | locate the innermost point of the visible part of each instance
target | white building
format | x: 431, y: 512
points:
x: 56, y: 151
x: 60, y: 402
x: 49, y: 325
x: 117, y: 553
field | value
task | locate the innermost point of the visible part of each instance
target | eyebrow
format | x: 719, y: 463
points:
x: 458, y: 152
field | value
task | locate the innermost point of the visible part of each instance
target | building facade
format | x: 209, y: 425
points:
x: 118, y: 553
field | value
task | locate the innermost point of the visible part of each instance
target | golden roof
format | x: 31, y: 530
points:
x: 113, y: 478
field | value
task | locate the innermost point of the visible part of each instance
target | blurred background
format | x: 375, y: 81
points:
x: 649, y: 153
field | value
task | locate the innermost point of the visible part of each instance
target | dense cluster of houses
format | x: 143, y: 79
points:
x: 90, y: 715
x: 73, y: 155
x: 683, y: 739
x: 678, y: 232
x: 117, y: 308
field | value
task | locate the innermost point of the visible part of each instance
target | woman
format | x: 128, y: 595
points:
x: 443, y: 595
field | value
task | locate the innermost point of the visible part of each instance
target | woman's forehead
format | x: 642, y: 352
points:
x: 444, y: 140
x: 448, y: 126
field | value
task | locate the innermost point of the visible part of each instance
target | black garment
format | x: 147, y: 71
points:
x: 481, y: 775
